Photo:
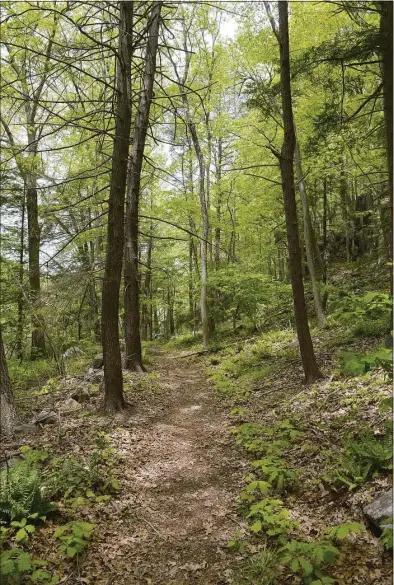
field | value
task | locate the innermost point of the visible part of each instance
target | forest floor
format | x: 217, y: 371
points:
x: 179, y: 484
x: 180, y: 471
x: 179, y: 474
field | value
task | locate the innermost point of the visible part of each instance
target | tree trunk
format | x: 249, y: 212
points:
x: 218, y: 202
x: 148, y: 289
x: 386, y: 50
x: 21, y: 300
x: 7, y: 408
x: 205, y: 226
x: 204, y: 244
x: 343, y: 191
x: 325, y: 296
x: 310, y: 240
x: 131, y: 280
x: 190, y: 286
x: 325, y: 231
x: 33, y: 228
x: 114, y: 399
x: 311, y: 369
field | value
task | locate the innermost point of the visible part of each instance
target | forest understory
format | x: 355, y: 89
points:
x: 196, y: 279
x: 170, y: 500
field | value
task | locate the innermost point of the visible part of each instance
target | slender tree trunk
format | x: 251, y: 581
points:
x: 33, y: 228
x: 343, y: 191
x: 205, y: 226
x: 309, y: 232
x: 21, y: 300
x: 325, y: 231
x: 204, y: 244
x: 309, y: 239
x: 208, y: 172
x: 311, y: 369
x: 203, y: 203
x: 7, y: 407
x: 131, y: 279
x: 170, y: 313
x: 114, y: 399
x: 325, y: 296
x: 218, y: 202
x: 148, y: 288
x: 190, y: 285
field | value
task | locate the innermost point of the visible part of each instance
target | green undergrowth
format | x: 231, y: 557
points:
x: 42, y: 488
x: 351, y: 442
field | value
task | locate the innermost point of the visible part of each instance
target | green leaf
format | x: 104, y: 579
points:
x: 256, y: 526
x: 24, y: 562
x: 71, y: 551
x: 294, y: 565
x: 21, y: 535
x: 104, y: 498
x: 306, y: 566
x: 7, y: 567
x: 115, y: 484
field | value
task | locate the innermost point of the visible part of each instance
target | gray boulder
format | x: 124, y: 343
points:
x: 45, y: 417
x: 94, y: 376
x: 98, y: 362
x: 71, y: 351
x: 25, y: 428
x: 80, y: 395
x: 380, y: 509
x: 10, y: 461
x: 70, y: 404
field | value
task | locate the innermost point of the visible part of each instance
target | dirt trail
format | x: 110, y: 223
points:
x: 182, y: 475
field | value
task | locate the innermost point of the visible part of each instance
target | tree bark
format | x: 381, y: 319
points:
x: 205, y: 233
x: 131, y: 279
x: 218, y: 202
x: 310, y: 240
x: 311, y: 369
x: 325, y: 252
x: 7, y: 407
x: 21, y: 300
x: 114, y: 399
x: 191, y: 127
x: 34, y: 236
x: 386, y: 50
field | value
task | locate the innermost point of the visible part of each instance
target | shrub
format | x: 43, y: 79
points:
x: 362, y: 458
x: 272, y: 517
x: 73, y: 537
x: 70, y: 478
x: 356, y: 363
x: 276, y: 473
x: 18, y: 566
x: 368, y: 314
x: 309, y: 558
x: 20, y: 493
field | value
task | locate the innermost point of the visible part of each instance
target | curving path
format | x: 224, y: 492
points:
x: 181, y: 477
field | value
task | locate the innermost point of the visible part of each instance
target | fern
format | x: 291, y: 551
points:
x: 363, y: 457
x: 377, y: 453
x: 20, y: 494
